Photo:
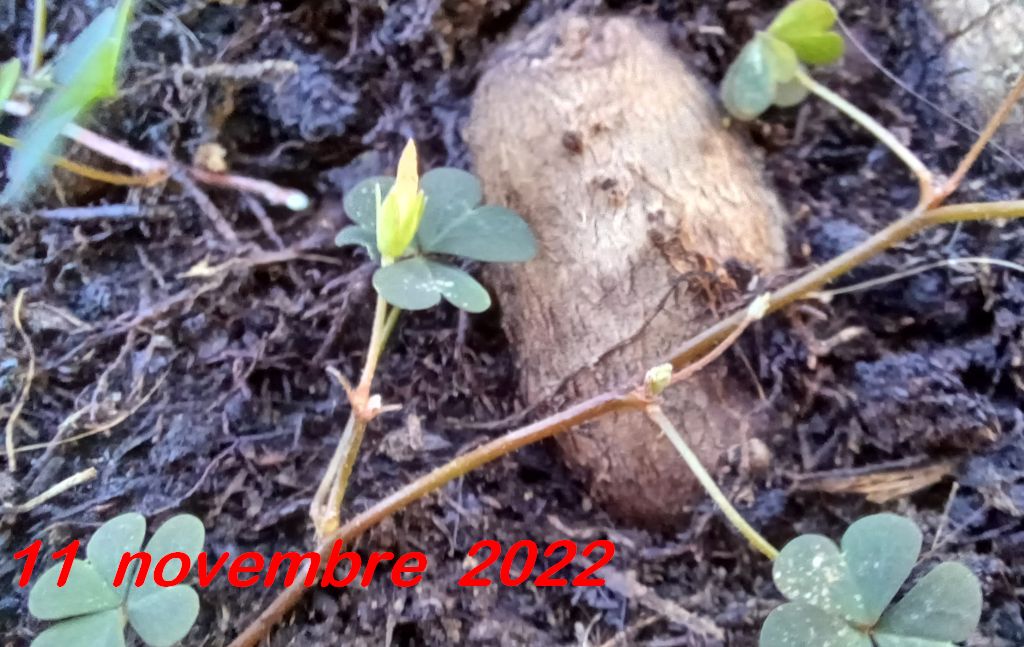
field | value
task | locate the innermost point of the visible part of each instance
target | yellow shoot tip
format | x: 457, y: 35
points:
x: 408, y: 166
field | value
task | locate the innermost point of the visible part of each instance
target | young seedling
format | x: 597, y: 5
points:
x: 408, y: 224
x: 842, y: 597
x: 769, y: 70
x: 93, y: 613
x: 411, y: 227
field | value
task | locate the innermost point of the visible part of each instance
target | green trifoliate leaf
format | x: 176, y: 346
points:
x: 790, y: 93
x: 798, y: 624
x: 805, y: 25
x: 781, y: 58
x: 356, y: 235
x: 113, y: 539
x: 881, y: 551
x: 803, y: 16
x: 103, y: 629
x: 84, y: 592
x: 811, y: 569
x: 886, y: 640
x: 451, y: 193
x: 182, y: 533
x: 417, y: 284
x: 163, y: 616
x: 748, y: 88
x: 945, y: 605
x: 10, y: 72
x: 858, y: 583
x: 489, y: 233
x: 361, y: 202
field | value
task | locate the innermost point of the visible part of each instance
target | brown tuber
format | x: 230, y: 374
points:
x: 615, y: 153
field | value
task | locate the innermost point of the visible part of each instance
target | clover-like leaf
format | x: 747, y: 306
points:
x: 881, y: 551
x: 10, y: 72
x: 85, y: 591
x: 798, y: 624
x: 113, y: 539
x: 451, y: 193
x: 163, y: 616
x: 944, y: 606
x: 356, y: 235
x: 489, y: 233
x: 836, y: 593
x: 360, y: 202
x: 878, y: 554
x: 103, y: 629
x: 805, y: 25
x: 790, y: 93
x: 417, y: 283
x: 748, y: 88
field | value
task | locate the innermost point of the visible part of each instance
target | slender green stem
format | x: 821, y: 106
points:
x: 884, y: 135
x: 35, y: 57
x: 659, y: 418
x: 376, y: 346
x: 325, y: 508
x: 318, y: 509
x: 349, y: 450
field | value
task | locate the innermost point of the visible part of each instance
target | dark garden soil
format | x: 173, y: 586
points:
x: 214, y: 388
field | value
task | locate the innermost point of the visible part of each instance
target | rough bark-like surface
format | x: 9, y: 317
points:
x: 985, y: 54
x: 594, y: 130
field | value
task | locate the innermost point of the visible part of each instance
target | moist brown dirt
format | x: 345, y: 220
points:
x: 232, y: 414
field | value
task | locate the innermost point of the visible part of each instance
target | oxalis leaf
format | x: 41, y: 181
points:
x: 356, y: 235
x: 361, y: 202
x: 805, y: 25
x: 858, y: 583
x: 452, y: 223
x: 944, y: 606
x: 94, y: 612
x: 489, y: 233
x: 84, y: 592
x: 798, y: 624
x: 840, y: 597
x: 748, y: 88
x: 113, y: 539
x: 417, y: 284
x: 162, y: 616
x: 103, y: 629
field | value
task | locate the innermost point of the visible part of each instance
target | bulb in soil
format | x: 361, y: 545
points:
x: 615, y: 153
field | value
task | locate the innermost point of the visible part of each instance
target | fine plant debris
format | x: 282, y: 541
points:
x: 268, y: 289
